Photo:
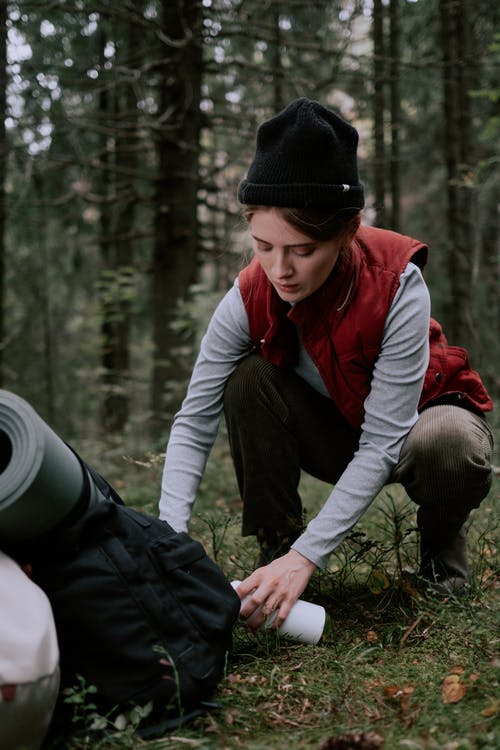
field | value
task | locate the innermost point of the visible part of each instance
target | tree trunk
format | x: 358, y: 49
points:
x: 395, y: 116
x: 457, y: 149
x: 379, y: 166
x: 489, y: 238
x: 175, y: 241
x: 3, y: 167
x: 44, y: 305
x: 117, y: 221
x: 277, y: 61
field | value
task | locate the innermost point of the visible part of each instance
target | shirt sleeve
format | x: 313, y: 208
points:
x: 195, y: 426
x: 390, y: 413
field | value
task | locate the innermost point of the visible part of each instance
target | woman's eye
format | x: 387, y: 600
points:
x: 303, y: 251
x: 261, y: 247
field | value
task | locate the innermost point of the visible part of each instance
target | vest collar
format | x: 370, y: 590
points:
x: 315, y: 315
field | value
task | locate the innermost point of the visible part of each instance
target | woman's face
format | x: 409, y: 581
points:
x: 295, y: 264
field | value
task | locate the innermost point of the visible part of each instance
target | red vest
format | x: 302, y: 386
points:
x: 341, y: 325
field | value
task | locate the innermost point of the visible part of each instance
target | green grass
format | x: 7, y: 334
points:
x: 387, y: 649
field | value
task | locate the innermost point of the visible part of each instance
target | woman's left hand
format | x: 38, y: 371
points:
x: 274, y: 588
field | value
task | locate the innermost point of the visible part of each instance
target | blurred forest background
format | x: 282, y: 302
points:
x: 125, y: 129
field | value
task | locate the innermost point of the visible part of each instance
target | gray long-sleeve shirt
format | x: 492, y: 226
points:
x: 390, y: 412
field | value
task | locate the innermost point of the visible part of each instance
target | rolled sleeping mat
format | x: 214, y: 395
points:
x: 41, y: 479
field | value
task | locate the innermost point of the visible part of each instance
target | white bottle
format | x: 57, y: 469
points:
x: 305, y: 622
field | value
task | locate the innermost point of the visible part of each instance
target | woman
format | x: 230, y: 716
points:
x: 324, y: 358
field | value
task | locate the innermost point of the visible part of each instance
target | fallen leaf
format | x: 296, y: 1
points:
x: 377, y: 581
x: 487, y: 574
x: 457, y: 670
x: 492, y: 709
x: 371, y: 636
x: 452, y: 689
x: 394, y: 691
x: 391, y: 691
x: 232, y: 677
x: 408, y: 584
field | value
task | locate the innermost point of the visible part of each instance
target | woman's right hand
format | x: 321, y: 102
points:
x: 274, y: 588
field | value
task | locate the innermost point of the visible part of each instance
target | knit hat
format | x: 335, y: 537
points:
x: 305, y: 158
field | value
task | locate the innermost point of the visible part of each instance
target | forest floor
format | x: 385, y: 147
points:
x: 396, y: 668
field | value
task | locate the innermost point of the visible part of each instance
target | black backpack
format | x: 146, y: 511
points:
x: 141, y: 612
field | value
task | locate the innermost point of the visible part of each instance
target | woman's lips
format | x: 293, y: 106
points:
x: 287, y: 288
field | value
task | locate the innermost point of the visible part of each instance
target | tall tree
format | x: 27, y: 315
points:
x: 457, y: 62
x: 277, y: 54
x: 119, y: 125
x: 379, y: 81
x: 3, y: 168
x: 395, y: 105
x: 175, y: 230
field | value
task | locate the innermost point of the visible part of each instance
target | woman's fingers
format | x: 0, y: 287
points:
x: 269, y: 593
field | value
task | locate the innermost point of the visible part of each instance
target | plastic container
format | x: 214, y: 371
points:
x: 305, y: 622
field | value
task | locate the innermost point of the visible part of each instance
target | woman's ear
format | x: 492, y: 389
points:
x: 354, y: 225
x: 350, y: 230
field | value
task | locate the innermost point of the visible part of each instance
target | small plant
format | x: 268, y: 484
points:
x: 217, y: 528
x: 80, y: 699
x: 397, y: 523
x: 93, y: 730
x: 175, y: 703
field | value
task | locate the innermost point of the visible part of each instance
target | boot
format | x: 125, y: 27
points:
x: 445, y: 566
x: 273, y: 544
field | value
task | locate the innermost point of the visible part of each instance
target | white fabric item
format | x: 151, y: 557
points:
x: 28, y: 641
x: 29, y: 660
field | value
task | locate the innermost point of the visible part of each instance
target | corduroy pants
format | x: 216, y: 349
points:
x: 278, y: 425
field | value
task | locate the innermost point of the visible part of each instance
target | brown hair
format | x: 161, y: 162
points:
x: 318, y: 225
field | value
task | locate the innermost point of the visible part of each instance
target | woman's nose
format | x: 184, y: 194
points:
x: 282, y: 266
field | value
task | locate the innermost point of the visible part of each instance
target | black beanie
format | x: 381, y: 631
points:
x: 305, y: 158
